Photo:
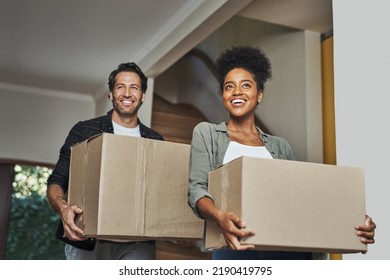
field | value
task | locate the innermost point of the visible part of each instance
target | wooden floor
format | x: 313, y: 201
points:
x: 172, y: 251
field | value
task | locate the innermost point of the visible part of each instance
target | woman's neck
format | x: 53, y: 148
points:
x: 242, y: 126
x: 244, y: 132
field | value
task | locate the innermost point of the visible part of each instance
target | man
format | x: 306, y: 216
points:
x: 127, y: 85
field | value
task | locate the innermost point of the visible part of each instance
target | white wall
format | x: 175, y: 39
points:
x: 361, y: 61
x: 34, y: 124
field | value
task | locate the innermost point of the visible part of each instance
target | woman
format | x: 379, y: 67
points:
x: 243, y: 72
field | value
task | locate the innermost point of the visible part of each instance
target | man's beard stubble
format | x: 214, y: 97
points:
x: 123, y: 113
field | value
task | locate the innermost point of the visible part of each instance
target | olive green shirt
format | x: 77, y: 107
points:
x: 208, y: 147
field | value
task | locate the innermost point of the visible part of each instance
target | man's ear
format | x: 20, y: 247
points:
x: 143, y: 97
x: 110, y: 96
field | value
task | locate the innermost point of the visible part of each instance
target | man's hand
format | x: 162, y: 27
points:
x: 68, y: 214
x: 56, y: 197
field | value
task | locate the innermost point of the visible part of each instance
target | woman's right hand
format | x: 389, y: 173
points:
x: 232, y: 226
x: 233, y: 229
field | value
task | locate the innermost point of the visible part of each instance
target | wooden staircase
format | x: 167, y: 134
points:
x: 175, y: 122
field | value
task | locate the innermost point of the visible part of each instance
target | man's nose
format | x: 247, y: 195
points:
x: 127, y: 92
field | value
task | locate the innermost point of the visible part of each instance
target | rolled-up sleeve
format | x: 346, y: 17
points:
x: 200, y: 165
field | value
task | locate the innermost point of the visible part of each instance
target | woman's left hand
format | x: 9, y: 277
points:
x: 367, y: 231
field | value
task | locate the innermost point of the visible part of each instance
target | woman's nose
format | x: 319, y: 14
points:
x: 237, y: 91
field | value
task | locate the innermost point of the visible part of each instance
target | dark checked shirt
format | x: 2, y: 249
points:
x: 81, y: 131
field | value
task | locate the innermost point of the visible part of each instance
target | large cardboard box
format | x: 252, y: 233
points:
x: 291, y: 205
x: 132, y: 188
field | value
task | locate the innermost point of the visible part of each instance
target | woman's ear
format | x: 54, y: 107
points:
x: 259, y: 96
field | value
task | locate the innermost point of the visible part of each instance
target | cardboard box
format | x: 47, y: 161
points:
x: 132, y: 188
x: 291, y: 205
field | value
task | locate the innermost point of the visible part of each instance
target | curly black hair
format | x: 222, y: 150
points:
x: 252, y: 59
x: 128, y: 67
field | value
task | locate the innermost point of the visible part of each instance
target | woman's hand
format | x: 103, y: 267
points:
x: 366, y: 232
x: 230, y: 224
x: 232, y: 228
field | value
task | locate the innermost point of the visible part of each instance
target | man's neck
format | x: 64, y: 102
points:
x: 126, y: 121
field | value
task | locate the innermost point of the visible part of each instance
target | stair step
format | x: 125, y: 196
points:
x: 175, y: 122
x: 161, y: 118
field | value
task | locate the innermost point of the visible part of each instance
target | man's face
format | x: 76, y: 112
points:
x: 127, y: 96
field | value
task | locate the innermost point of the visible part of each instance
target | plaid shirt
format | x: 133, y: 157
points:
x: 81, y: 131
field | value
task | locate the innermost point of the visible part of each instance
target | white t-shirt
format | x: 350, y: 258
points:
x: 121, y: 130
x: 236, y: 150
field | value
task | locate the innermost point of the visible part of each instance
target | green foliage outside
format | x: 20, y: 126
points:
x: 32, y: 224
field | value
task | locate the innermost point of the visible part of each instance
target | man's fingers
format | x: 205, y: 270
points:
x: 76, y: 209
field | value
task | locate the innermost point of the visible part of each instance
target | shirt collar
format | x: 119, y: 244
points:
x: 223, y: 128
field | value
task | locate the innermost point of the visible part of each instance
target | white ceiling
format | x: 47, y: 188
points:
x: 71, y: 46
x: 314, y: 15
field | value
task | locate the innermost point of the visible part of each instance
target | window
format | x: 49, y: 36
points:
x: 32, y: 222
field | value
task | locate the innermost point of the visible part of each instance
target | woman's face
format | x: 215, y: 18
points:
x: 240, y: 95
